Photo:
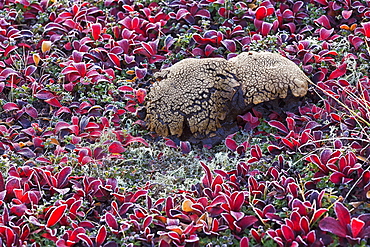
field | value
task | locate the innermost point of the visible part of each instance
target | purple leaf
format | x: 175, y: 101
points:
x: 347, y: 14
x: 26, y: 152
x: 229, y: 44
x: 324, y: 21
x: 343, y: 214
x: 30, y: 70
x: 31, y: 111
x: 140, y: 72
x: 266, y: 28
x: 247, y: 221
x: 332, y: 225
x: 325, y: 33
x: 170, y: 143
x: 181, y: 13
x: 204, y: 13
x: 209, y: 50
x: 185, y: 147
x: 111, y: 221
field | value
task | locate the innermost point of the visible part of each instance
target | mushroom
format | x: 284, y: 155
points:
x: 266, y: 76
x: 199, y: 99
x: 193, y: 98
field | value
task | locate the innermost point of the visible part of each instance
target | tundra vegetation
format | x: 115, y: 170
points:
x: 80, y: 168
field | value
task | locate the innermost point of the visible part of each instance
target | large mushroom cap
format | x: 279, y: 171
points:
x: 266, y: 76
x: 194, y: 97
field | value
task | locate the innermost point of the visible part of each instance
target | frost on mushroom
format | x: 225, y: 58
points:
x: 194, y: 98
x: 266, y: 76
x: 199, y: 99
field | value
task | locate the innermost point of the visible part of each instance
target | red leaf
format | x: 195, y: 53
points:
x: 231, y: 144
x: 9, y: 234
x: 111, y: 221
x: 135, y: 22
x: 149, y: 49
x: 100, y: 237
x: 53, y: 102
x: 116, y: 147
x: 238, y: 201
x: 208, y: 177
x: 56, y: 215
x: 96, y: 30
x: 343, y: 214
x: 335, y: 117
x: 278, y: 125
x: 81, y: 68
x: 10, y: 106
x: 356, y: 226
x: 140, y: 95
x: 126, y: 89
x: 287, y: 233
x: 261, y: 12
x: 115, y: 59
x: 318, y: 213
x: 366, y: 27
x: 244, y: 242
x: 44, y: 94
x: 9, y: 49
x: 340, y: 71
x: 247, y: 221
x: 130, y: 139
x: 86, y: 239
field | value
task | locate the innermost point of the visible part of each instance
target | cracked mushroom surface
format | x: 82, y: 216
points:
x: 199, y: 99
x: 266, y: 76
x: 194, y: 98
